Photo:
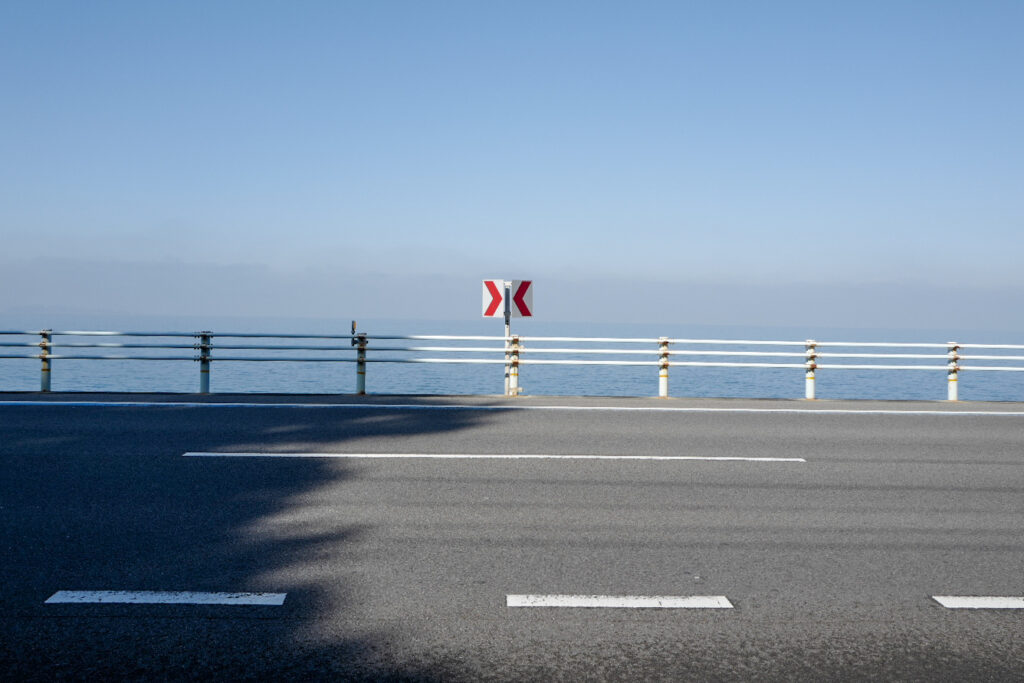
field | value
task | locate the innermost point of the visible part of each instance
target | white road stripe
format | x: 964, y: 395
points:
x: 979, y: 601
x: 165, y: 598
x: 485, y: 456
x: 410, y: 407
x: 617, y: 601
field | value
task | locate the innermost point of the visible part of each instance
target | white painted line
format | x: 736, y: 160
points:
x: 442, y: 407
x: 621, y: 601
x: 165, y: 598
x: 979, y: 602
x: 485, y: 456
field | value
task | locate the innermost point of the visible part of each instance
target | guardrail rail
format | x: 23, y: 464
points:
x: 514, y: 352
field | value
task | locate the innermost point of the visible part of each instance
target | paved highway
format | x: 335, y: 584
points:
x: 713, y: 540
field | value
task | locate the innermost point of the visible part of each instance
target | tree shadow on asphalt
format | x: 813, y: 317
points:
x: 103, y: 499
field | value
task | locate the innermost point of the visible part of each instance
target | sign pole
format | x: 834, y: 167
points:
x: 508, y: 332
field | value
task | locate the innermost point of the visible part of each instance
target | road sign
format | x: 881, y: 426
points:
x: 508, y: 298
x: 522, y: 298
x: 494, y: 298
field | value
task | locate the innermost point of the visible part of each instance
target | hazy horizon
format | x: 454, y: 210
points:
x: 213, y: 294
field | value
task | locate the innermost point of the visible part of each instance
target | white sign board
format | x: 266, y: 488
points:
x: 494, y: 298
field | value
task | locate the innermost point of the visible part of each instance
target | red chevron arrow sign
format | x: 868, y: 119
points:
x: 519, y: 293
x: 494, y: 298
x: 522, y: 298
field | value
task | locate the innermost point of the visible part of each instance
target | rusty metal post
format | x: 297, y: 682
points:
x: 513, y: 377
x: 204, y: 361
x: 662, y: 367
x: 811, y: 364
x: 360, y: 342
x: 44, y: 354
x: 953, y: 372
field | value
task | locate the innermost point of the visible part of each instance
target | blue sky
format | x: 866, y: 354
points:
x: 355, y: 147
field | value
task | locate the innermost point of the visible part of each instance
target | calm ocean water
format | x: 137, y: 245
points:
x: 393, y: 378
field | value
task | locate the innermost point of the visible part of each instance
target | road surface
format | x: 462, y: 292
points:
x: 697, y: 540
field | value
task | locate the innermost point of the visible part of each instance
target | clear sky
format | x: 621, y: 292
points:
x: 351, y: 158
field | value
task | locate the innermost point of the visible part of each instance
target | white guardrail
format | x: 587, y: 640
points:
x: 513, y: 352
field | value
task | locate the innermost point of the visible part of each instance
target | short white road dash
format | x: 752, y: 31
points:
x: 979, y: 601
x: 165, y: 598
x: 621, y: 601
x: 487, y: 456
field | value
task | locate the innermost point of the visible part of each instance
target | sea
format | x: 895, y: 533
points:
x: 182, y: 376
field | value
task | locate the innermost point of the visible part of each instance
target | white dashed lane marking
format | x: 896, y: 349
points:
x: 164, y: 598
x: 621, y: 601
x: 979, y: 601
x: 487, y: 456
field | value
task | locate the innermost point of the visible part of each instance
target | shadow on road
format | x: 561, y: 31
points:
x: 102, y: 499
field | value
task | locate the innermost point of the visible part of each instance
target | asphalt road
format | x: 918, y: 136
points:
x: 829, y: 529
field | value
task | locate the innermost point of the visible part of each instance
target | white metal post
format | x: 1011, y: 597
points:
x: 953, y: 371
x: 204, y: 362
x: 811, y: 365
x: 44, y: 353
x: 663, y: 367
